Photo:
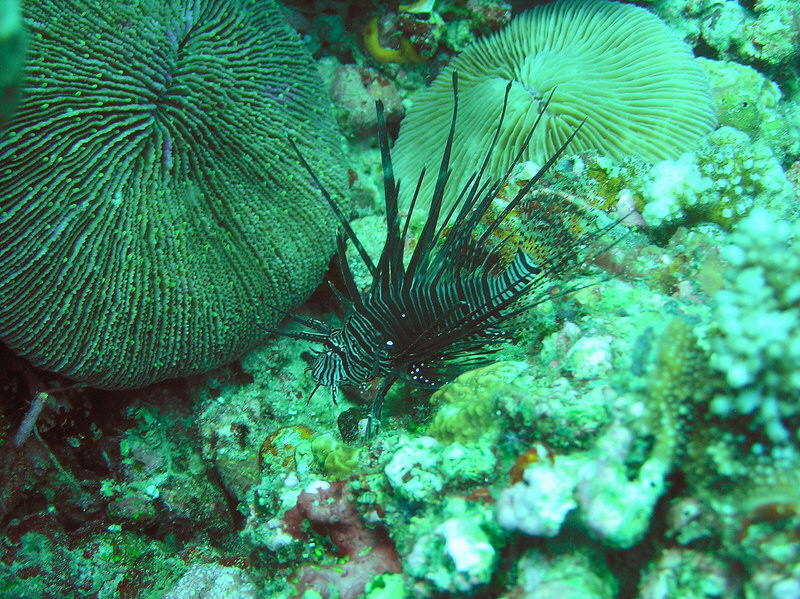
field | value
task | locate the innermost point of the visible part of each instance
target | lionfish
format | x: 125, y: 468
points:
x: 445, y: 309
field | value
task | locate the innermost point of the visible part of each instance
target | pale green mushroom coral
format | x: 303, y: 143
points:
x: 615, y: 65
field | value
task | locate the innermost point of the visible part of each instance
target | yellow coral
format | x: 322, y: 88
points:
x: 469, y: 403
x: 336, y: 459
x: 406, y: 52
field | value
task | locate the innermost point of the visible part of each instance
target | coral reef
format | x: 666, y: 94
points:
x: 763, y: 33
x: 613, y: 508
x: 460, y: 553
x: 489, y: 15
x: 637, y: 439
x: 39, y: 562
x: 421, y: 468
x: 613, y: 505
x: 468, y: 403
x: 161, y: 477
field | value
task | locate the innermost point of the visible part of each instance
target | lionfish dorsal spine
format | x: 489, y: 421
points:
x: 351, y: 235
x: 427, y: 237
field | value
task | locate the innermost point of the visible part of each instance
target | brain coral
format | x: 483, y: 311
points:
x: 616, y: 65
x: 150, y: 210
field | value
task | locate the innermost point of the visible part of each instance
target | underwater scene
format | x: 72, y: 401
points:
x: 447, y: 298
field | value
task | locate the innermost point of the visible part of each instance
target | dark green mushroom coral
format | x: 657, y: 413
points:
x: 151, y: 210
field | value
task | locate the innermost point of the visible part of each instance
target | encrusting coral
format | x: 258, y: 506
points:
x: 152, y: 213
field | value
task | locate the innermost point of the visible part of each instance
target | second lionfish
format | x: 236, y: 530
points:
x: 447, y: 307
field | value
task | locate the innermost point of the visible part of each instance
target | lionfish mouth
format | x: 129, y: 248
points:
x: 444, y: 310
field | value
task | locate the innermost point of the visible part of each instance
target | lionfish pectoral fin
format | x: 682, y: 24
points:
x: 317, y: 386
x: 314, y: 390
x: 374, y: 418
x: 312, y: 323
x: 314, y: 337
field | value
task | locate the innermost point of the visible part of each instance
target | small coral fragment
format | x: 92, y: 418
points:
x: 331, y: 512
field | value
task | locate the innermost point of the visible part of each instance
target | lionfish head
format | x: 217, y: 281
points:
x: 328, y: 369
